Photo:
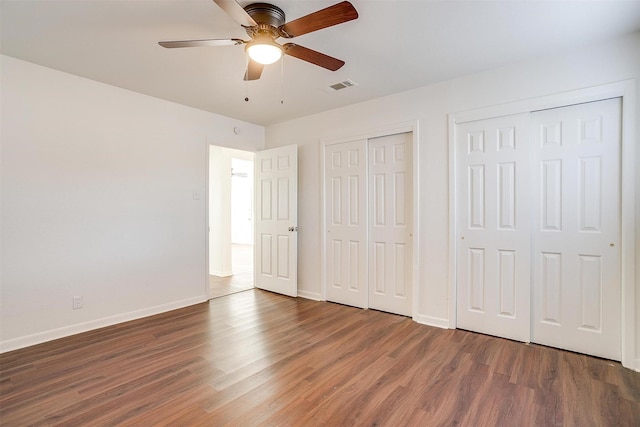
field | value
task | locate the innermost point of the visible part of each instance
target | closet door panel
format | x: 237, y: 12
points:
x: 390, y: 226
x: 576, y: 228
x: 493, y: 226
x: 346, y: 223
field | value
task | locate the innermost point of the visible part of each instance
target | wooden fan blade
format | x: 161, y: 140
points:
x: 236, y: 12
x: 198, y: 43
x: 254, y: 70
x: 315, y: 57
x: 332, y: 15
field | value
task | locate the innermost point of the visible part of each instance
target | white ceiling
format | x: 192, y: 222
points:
x: 393, y: 46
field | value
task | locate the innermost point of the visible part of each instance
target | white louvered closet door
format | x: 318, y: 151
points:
x: 493, y: 226
x: 576, y: 224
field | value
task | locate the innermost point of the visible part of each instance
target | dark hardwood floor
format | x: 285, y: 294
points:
x: 242, y: 277
x: 255, y: 358
x: 223, y: 286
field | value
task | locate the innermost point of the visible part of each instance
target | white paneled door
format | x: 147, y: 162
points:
x: 390, y: 223
x: 538, y: 227
x: 346, y: 223
x: 369, y: 223
x: 276, y: 240
x: 576, y: 223
x: 493, y: 229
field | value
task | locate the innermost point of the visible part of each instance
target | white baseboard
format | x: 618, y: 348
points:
x: 310, y: 295
x: 221, y: 273
x: 438, y: 322
x: 54, y: 334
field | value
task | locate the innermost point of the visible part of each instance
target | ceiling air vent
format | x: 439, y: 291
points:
x: 342, y: 85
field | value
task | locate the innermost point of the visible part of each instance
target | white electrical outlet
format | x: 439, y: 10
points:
x: 77, y: 302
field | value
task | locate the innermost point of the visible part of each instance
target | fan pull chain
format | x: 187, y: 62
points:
x: 282, y: 80
x: 246, y: 82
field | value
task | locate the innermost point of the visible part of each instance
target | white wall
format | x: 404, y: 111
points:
x: 97, y: 201
x: 219, y: 212
x: 593, y: 65
x: 242, y: 200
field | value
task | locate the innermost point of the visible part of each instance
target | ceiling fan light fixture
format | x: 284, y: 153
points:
x: 264, y: 23
x: 264, y: 51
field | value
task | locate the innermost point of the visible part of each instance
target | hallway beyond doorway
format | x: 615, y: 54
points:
x: 242, y: 278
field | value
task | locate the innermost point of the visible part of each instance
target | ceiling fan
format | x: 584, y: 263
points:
x: 265, y: 23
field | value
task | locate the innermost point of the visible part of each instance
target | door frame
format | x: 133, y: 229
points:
x: 390, y: 130
x: 626, y: 90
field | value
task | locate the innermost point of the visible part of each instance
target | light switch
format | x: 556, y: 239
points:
x: 196, y: 195
x: 77, y: 302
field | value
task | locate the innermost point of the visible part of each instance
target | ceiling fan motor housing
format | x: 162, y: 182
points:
x: 265, y: 13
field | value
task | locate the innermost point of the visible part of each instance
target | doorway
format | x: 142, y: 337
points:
x: 231, y: 221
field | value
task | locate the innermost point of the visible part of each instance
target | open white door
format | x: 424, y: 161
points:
x: 276, y: 220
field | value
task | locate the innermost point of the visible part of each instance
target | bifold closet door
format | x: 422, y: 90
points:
x: 493, y: 226
x: 346, y: 223
x: 576, y: 228
x: 390, y: 223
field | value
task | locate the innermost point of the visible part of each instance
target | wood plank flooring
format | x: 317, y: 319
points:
x: 259, y: 359
x: 223, y: 286
x: 242, y: 278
